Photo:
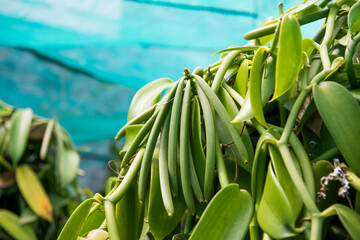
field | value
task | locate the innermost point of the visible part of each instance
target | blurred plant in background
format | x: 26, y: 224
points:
x: 38, y: 169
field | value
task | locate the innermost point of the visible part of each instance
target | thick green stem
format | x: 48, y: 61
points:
x: 316, y: 227
x: 254, y: 229
x: 349, y: 54
x: 296, y: 178
x: 129, y: 178
x: 324, y: 3
x: 353, y: 179
x: 111, y: 223
x: 222, y: 70
x: 266, y: 30
x: 293, y: 114
x: 304, y: 164
x: 299, y: 103
x: 324, y: 52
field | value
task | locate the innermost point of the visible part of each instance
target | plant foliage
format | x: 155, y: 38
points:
x: 38, y: 167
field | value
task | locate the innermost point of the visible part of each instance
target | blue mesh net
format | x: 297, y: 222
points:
x: 82, y: 61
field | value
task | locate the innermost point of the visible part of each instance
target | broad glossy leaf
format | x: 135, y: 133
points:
x: 129, y: 214
x: 69, y: 166
x: 161, y: 224
x: 227, y: 216
x: 354, y: 18
x: 76, y: 221
x: 93, y: 221
x: 97, y: 234
x: 275, y: 214
x: 340, y: 113
x: 348, y: 217
x: 9, y: 221
x: 33, y: 192
x: 19, y: 132
x: 289, y: 54
x: 147, y: 96
x: 321, y: 169
x: 242, y: 78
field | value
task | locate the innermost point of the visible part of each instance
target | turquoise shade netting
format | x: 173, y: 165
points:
x: 82, y: 61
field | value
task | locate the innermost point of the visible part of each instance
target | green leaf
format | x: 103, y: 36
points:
x: 76, y: 221
x: 69, y: 166
x: 256, y: 75
x: 161, y: 224
x: 275, y: 214
x: 340, y: 113
x: 348, y: 217
x: 242, y: 78
x: 147, y: 96
x: 354, y: 18
x: 9, y: 221
x: 19, y: 132
x: 129, y: 214
x: 227, y: 216
x: 93, y: 221
x: 33, y: 192
x: 289, y: 55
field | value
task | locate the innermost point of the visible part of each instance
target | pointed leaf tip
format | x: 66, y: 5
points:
x: 289, y: 55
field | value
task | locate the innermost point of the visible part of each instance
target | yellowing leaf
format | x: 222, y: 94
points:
x: 289, y: 55
x: 33, y: 192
